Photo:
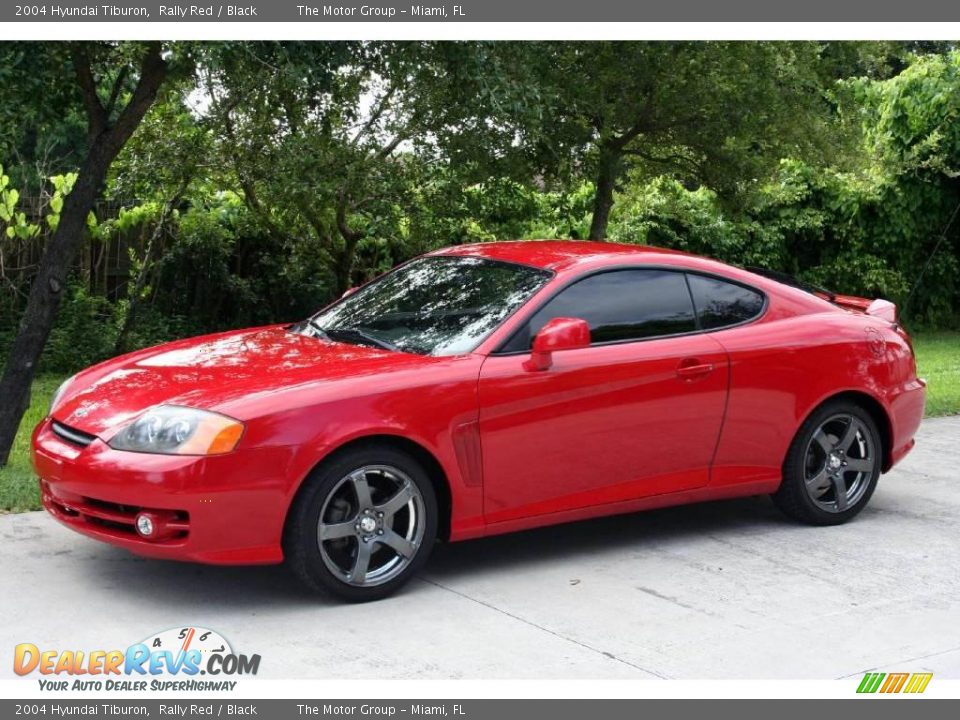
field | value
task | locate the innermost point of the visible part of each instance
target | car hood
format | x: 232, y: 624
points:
x: 214, y: 371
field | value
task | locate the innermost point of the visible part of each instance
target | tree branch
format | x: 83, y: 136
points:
x: 96, y: 115
x: 153, y: 71
x: 250, y: 195
x: 348, y: 233
x: 676, y: 159
x: 117, y: 89
x: 388, y: 149
x: 375, y: 115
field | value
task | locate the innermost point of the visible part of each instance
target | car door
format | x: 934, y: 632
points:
x: 637, y: 413
x: 767, y: 370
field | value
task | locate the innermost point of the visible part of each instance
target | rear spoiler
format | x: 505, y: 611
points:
x: 885, y: 310
x: 880, y: 309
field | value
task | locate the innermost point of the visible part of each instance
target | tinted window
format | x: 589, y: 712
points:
x: 722, y: 303
x: 619, y: 305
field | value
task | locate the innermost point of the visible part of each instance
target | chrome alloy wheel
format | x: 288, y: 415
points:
x: 371, y: 525
x: 839, y: 463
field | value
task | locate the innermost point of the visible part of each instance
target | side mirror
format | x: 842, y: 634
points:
x: 557, y: 334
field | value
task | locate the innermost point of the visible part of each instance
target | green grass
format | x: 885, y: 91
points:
x: 938, y: 357
x: 938, y: 362
x: 18, y: 484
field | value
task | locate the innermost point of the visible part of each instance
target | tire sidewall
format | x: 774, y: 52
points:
x: 794, y: 470
x: 301, y: 547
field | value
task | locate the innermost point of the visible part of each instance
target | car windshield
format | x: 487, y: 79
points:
x: 441, y: 305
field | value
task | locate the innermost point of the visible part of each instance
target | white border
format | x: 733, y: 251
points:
x: 307, y: 30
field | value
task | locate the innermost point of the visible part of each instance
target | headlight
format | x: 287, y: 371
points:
x: 58, y: 393
x: 173, y: 430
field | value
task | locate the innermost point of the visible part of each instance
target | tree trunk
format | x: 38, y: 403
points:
x: 106, y: 139
x: 607, y: 171
x: 343, y: 269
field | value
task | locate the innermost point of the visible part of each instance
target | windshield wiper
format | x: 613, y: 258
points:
x: 314, y: 325
x: 315, y: 329
x: 356, y: 334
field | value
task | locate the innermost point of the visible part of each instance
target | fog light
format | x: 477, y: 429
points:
x: 144, y: 525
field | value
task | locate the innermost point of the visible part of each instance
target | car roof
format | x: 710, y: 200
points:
x: 562, y: 254
x: 570, y: 257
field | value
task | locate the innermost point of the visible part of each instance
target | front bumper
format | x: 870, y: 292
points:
x: 225, y: 509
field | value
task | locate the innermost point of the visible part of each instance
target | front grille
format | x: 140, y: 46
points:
x: 72, y: 435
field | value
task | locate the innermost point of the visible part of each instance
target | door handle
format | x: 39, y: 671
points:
x: 692, y: 368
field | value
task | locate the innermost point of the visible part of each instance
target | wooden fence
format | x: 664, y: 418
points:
x: 104, y: 266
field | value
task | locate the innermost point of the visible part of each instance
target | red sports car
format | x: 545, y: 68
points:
x: 478, y: 390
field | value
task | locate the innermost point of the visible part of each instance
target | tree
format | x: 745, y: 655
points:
x: 913, y: 139
x: 284, y: 112
x: 42, y: 126
x: 713, y: 113
x: 116, y: 85
x: 327, y: 141
x: 168, y: 154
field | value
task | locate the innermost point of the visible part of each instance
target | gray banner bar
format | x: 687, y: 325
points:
x: 480, y: 11
x: 205, y: 709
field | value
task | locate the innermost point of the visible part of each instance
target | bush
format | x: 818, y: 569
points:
x: 84, y: 333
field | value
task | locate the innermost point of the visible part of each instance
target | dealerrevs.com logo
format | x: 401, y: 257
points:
x: 174, y: 659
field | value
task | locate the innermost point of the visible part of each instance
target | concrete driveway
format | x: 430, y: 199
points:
x: 722, y: 590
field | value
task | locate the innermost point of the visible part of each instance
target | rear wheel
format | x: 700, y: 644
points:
x: 832, y: 466
x: 363, y: 524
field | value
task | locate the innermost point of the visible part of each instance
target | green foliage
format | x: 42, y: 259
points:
x: 224, y: 270
x: 912, y: 134
x: 939, y: 362
x: 868, y: 231
x: 86, y: 330
x: 19, y: 490
x: 13, y: 222
x: 83, y: 334
x: 663, y: 212
x: 446, y: 213
x: 910, y: 119
x: 42, y: 132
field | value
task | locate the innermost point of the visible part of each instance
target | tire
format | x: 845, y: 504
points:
x: 838, y: 446
x: 374, y: 540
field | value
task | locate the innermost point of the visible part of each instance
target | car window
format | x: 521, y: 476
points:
x: 619, y: 305
x: 440, y: 305
x: 720, y: 303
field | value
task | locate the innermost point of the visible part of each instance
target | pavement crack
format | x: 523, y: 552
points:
x: 557, y: 635
x: 668, y: 598
x: 679, y: 603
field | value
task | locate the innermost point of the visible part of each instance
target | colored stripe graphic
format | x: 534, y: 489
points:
x: 870, y: 682
x: 894, y: 682
x: 918, y: 683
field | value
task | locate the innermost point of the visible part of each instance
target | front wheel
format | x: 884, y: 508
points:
x: 363, y: 524
x: 832, y: 467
